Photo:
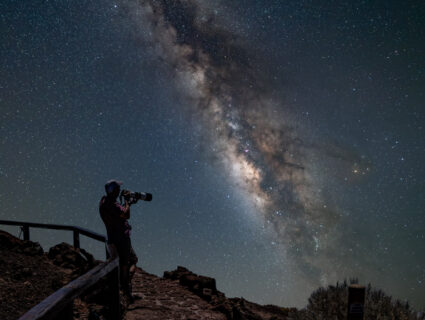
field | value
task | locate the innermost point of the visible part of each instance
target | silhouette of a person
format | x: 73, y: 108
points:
x: 115, y: 217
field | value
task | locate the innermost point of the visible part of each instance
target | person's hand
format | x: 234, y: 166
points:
x: 125, y: 192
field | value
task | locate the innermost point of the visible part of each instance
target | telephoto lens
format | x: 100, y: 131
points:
x: 143, y: 196
x: 133, y: 197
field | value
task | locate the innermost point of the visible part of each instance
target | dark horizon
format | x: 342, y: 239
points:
x: 282, y: 142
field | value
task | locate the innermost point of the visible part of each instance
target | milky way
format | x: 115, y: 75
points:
x: 251, y: 133
x: 282, y: 140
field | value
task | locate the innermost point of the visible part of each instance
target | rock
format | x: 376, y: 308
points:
x: 26, y: 271
x: 176, y: 274
x: 206, y: 292
x: 56, y: 284
x: 233, y: 309
x: 27, y: 276
x: 66, y: 256
x: 9, y: 242
x: 167, y: 299
x: 192, y: 281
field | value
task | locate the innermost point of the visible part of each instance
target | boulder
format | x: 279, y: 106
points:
x: 69, y: 257
x: 202, y: 286
x: 9, y: 242
x: 233, y: 308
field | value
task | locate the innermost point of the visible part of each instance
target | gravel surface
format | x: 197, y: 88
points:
x: 27, y: 276
x: 161, y: 299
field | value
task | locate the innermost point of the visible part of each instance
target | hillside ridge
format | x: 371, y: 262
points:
x: 179, y: 294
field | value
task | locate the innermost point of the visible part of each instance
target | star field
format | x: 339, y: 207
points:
x: 283, y: 142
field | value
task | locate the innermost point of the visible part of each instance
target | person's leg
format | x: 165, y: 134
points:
x: 113, y: 251
x: 124, y: 252
x: 124, y: 270
x: 132, y: 271
x: 132, y: 263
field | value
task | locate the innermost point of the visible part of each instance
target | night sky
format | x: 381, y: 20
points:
x: 283, y: 141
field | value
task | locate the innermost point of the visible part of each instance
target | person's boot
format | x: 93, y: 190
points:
x: 128, y: 296
x: 130, y: 299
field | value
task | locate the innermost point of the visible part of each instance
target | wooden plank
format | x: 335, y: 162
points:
x: 50, y: 307
x: 83, y: 231
x: 91, y: 234
x: 37, y: 225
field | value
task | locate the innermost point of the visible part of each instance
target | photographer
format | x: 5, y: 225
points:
x: 115, y: 217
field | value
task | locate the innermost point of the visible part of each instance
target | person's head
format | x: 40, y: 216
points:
x: 113, y: 188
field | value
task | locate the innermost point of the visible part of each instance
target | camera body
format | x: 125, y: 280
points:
x: 133, y: 197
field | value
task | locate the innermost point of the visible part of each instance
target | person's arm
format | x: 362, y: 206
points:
x: 122, y: 211
x: 125, y: 214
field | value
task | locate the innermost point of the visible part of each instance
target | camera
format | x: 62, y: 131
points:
x: 133, y: 197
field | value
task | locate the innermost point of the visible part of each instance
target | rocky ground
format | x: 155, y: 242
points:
x: 162, y: 299
x: 28, y: 275
x: 22, y: 265
x: 181, y: 294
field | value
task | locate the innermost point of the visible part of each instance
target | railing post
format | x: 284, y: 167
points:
x: 26, y: 230
x: 115, y: 293
x: 356, y: 298
x: 76, y: 239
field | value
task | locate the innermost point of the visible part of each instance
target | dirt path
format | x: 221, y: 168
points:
x: 166, y: 299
